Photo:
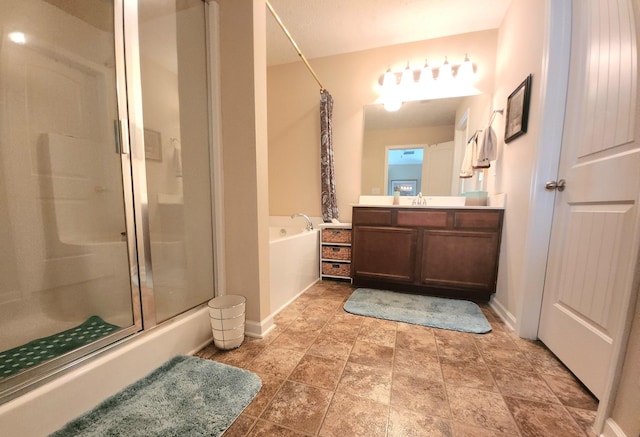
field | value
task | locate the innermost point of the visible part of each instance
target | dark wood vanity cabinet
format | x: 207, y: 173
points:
x: 441, y: 252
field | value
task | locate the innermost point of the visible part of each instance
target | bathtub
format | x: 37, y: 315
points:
x: 294, y: 263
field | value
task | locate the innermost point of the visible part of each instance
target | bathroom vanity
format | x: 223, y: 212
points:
x: 448, y: 252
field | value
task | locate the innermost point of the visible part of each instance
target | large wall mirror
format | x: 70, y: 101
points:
x: 419, y: 148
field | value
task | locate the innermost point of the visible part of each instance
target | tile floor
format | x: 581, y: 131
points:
x: 329, y: 373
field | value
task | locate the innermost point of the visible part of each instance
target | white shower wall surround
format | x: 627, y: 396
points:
x: 70, y: 247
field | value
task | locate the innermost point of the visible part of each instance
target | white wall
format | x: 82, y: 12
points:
x: 521, y: 40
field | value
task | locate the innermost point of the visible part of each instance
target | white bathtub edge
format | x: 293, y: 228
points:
x: 277, y: 311
x: 47, y: 408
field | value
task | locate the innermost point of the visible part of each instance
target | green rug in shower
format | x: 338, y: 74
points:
x: 42, y: 349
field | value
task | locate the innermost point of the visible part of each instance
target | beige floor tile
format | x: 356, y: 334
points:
x: 318, y: 371
x: 299, y: 341
x: 380, y: 332
x: 365, y: 381
x: 371, y: 354
x: 480, y: 408
x: 331, y: 373
x: 276, y: 361
x: 405, y: 423
x: 456, y: 346
x: 509, y: 358
x: 240, y: 427
x: 466, y: 430
x: 270, y: 386
x: 471, y: 375
x: 417, y: 363
x: 299, y: 407
x: 495, y: 339
x: 584, y: 419
x: 353, y: 416
x: 416, y: 338
x: 544, y: 362
x: 522, y: 384
x: 332, y: 347
x: 420, y: 395
x: 266, y: 429
x: 571, y: 393
x: 537, y: 419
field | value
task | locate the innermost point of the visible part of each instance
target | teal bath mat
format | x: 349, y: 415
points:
x: 435, y: 312
x: 186, y: 396
x: 40, y: 350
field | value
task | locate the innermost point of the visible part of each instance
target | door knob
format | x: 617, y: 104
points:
x: 553, y: 185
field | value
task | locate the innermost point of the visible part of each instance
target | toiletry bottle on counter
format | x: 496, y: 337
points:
x: 396, y: 197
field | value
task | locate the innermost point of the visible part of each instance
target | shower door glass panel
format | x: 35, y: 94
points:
x: 65, y: 278
x: 176, y: 134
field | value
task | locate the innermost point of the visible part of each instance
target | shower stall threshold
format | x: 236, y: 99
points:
x: 48, y: 407
x: 42, y: 349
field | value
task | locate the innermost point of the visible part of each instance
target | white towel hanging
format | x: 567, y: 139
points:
x: 466, y: 171
x: 486, y: 149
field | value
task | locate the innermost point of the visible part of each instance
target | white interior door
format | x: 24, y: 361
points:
x: 594, y: 236
x: 438, y: 169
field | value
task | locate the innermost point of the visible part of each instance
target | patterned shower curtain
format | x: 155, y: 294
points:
x: 328, y: 183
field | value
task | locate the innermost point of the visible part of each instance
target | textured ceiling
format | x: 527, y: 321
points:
x: 331, y: 27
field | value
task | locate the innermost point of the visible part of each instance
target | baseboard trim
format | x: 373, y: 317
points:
x: 255, y: 329
x: 611, y: 429
x: 508, y: 318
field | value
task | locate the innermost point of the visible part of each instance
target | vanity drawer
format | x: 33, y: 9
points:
x: 336, y: 269
x: 341, y: 253
x: 336, y: 236
x: 477, y: 220
x: 430, y: 219
x: 371, y: 216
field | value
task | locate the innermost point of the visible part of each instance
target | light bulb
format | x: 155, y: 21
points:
x: 445, y: 73
x: 392, y: 102
x: 426, y: 75
x: 18, y: 37
x: 465, y: 71
x: 389, y: 80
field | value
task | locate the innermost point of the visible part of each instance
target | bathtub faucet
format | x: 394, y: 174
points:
x: 309, y: 224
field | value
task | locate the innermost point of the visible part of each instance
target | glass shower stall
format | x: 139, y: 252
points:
x: 105, y: 177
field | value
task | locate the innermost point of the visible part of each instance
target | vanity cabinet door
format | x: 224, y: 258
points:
x: 384, y: 253
x: 456, y: 259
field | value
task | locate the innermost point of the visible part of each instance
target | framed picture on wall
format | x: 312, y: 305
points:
x: 152, y: 145
x: 518, y: 111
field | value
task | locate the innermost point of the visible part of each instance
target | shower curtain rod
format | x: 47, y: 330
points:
x: 295, y: 46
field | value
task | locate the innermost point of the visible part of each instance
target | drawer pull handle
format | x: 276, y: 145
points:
x: 335, y: 266
x: 335, y: 249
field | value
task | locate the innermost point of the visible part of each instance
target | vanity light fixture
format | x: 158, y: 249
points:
x: 402, y: 86
x: 427, y: 74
